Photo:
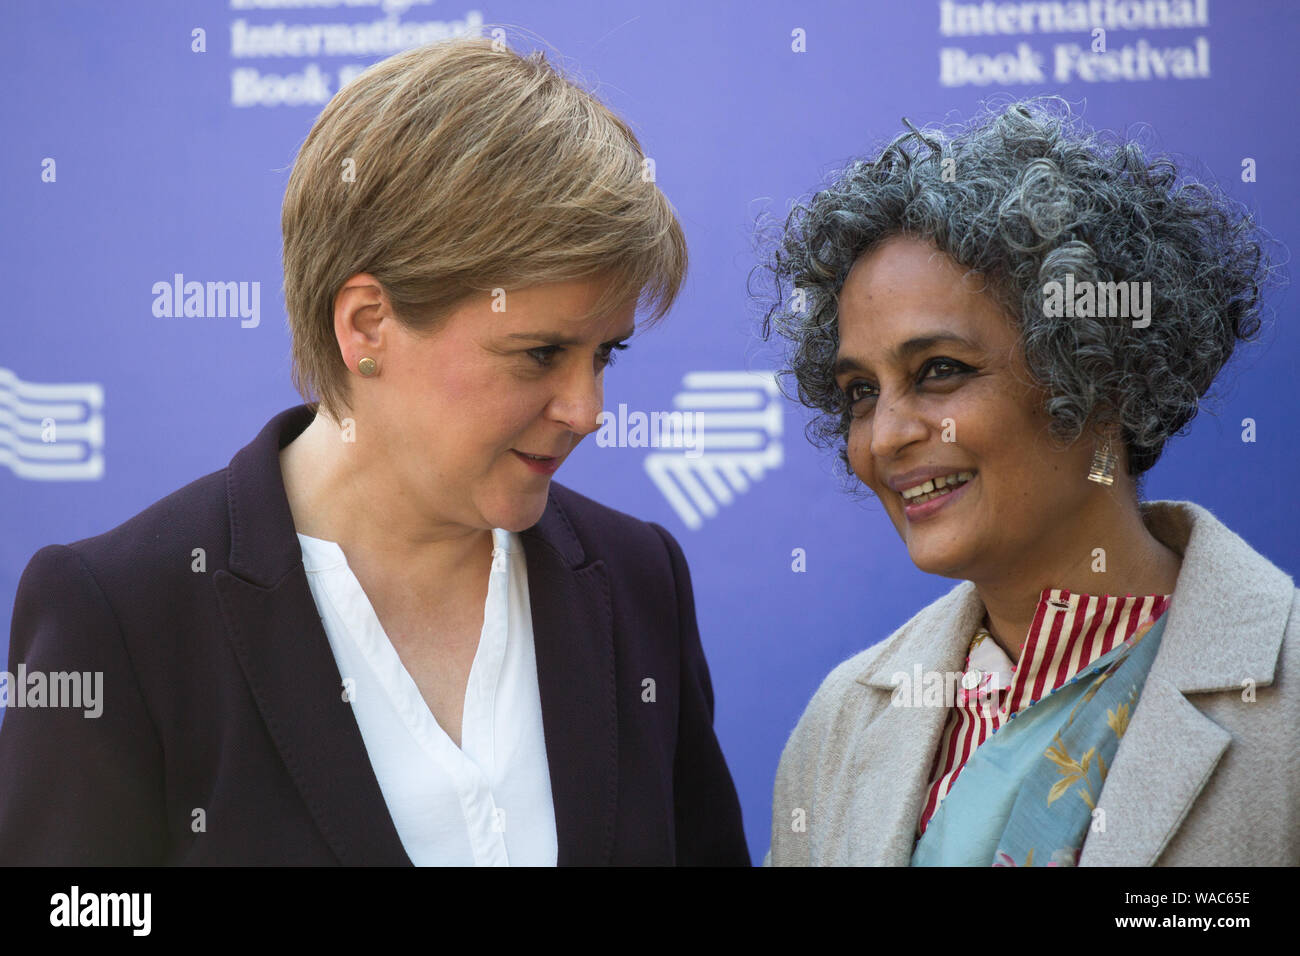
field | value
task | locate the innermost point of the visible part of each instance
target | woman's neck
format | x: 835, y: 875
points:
x: 1116, y: 555
x: 366, y: 514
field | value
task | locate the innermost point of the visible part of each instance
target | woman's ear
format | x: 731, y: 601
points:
x: 359, y: 307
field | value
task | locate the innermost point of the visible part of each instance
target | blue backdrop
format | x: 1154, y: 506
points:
x: 131, y: 157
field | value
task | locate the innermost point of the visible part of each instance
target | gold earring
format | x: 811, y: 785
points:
x: 1103, y: 464
x: 367, y: 367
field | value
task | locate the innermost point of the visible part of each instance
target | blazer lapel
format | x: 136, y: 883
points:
x: 274, y: 627
x: 1165, y: 759
x: 1227, y: 620
x: 934, y: 644
x: 573, y: 633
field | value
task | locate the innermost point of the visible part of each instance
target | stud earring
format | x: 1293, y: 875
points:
x: 367, y: 367
x: 1103, y: 464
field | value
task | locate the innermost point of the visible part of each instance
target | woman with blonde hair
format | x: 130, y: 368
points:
x: 1003, y: 327
x: 407, y: 643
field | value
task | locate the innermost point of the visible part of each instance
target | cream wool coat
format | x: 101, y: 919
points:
x: 1202, y: 776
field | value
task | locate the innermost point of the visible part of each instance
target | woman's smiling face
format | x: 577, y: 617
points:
x: 932, y: 369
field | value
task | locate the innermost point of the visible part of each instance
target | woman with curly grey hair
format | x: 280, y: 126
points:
x: 999, y: 329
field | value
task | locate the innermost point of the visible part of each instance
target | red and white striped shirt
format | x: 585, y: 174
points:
x: 1069, y: 632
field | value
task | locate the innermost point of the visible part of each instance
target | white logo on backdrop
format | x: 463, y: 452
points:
x: 51, y: 432
x: 741, y: 416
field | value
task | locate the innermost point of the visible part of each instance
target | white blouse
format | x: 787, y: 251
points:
x: 487, y: 802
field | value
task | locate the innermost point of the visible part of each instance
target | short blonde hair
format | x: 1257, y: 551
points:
x: 457, y: 168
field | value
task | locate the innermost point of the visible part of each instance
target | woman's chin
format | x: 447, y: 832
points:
x: 520, y: 515
x: 943, y: 563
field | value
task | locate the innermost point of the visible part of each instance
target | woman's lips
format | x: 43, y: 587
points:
x: 541, y: 466
x: 919, y: 512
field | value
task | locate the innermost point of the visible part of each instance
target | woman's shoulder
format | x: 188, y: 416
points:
x: 162, y: 541
x: 840, y: 722
x: 1207, y: 543
x: 866, y: 679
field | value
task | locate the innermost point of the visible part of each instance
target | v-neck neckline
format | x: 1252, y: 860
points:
x: 366, y: 632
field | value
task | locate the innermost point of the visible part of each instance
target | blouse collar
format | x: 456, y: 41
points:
x: 1069, y: 632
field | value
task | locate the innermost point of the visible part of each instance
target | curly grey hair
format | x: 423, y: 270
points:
x: 1025, y: 195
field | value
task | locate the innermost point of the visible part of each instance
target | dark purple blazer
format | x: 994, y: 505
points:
x: 221, y: 694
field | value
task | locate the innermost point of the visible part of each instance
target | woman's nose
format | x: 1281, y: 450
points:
x: 895, y: 424
x: 580, y: 401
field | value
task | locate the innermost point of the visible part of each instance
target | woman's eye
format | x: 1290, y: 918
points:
x: 949, y: 363
x: 608, y: 356
x: 544, y: 353
x: 855, y: 392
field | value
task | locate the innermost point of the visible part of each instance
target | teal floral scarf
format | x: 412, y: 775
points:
x: 1028, y: 795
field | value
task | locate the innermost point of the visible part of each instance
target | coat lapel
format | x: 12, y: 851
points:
x: 1167, y: 755
x: 1227, y: 620
x: 274, y: 627
x: 574, y: 640
x: 935, y: 642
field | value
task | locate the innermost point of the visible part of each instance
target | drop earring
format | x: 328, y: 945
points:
x: 1103, y: 464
